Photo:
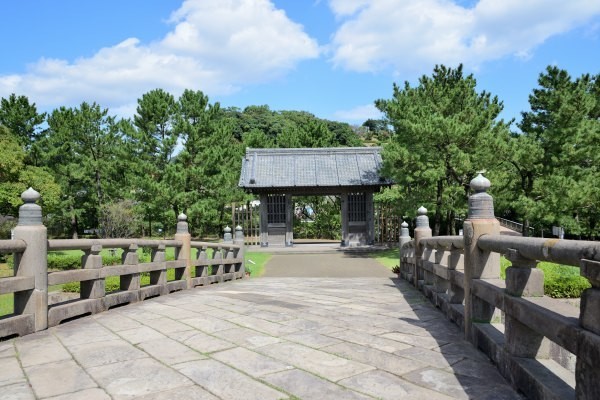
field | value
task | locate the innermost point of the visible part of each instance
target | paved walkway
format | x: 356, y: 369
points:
x: 326, y: 265
x: 265, y: 338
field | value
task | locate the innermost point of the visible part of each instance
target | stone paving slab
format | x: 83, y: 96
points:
x: 324, y: 265
x: 266, y: 338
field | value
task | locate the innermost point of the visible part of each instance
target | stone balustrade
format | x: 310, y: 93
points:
x: 523, y: 332
x: 195, y: 264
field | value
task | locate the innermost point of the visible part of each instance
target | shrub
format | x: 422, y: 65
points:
x: 119, y: 219
x: 63, y: 261
x: 560, y: 281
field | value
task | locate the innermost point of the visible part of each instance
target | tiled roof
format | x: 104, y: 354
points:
x: 309, y: 167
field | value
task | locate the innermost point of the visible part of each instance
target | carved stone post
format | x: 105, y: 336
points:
x: 404, y: 238
x: 33, y: 261
x: 159, y: 277
x: 94, y: 289
x: 241, y: 253
x: 130, y: 257
x: 479, y: 264
x: 184, y: 252
x: 523, y: 279
x: 422, y: 231
x: 456, y: 262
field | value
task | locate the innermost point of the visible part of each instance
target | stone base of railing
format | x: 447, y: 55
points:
x: 17, y: 325
x: 70, y: 309
x: 535, y: 377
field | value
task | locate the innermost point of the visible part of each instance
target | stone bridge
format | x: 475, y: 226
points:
x: 201, y: 332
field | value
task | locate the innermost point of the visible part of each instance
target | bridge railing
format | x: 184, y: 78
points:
x: 194, y: 264
x: 19, y: 285
x: 510, y: 319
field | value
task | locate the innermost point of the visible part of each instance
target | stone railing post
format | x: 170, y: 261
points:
x: 159, y: 277
x: 404, y: 235
x: 479, y: 264
x: 184, y: 252
x: 587, y: 373
x: 422, y: 231
x: 92, y: 259
x: 241, y: 253
x: 523, y: 279
x: 130, y: 256
x: 218, y: 268
x: 404, y: 238
x: 33, y: 261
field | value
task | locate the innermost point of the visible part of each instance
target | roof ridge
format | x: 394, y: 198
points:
x: 369, y: 150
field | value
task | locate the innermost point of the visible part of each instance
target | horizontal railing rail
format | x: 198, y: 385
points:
x: 86, y: 244
x: 12, y: 246
x: 568, y: 252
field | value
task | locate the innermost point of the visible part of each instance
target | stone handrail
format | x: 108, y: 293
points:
x: 511, y: 320
x: 568, y: 252
x: 86, y: 244
x: 195, y: 264
x: 12, y: 246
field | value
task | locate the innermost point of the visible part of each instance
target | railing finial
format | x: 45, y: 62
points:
x: 422, y: 218
x: 182, y: 225
x: 481, y: 204
x: 30, y: 213
x: 239, y: 232
x: 227, y: 237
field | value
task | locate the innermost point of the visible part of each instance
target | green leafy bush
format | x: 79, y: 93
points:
x: 560, y: 281
x: 112, y: 283
x: 63, y: 261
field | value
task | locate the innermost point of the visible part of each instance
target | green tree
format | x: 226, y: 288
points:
x: 563, y: 132
x: 444, y: 131
x: 16, y: 176
x: 152, y: 148
x: 82, y: 148
x: 21, y: 118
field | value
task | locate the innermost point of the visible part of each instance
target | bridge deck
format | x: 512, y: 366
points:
x: 268, y: 338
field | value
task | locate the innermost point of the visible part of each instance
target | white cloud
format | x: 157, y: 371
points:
x: 215, y: 45
x: 358, y: 114
x: 410, y: 35
x: 347, y: 7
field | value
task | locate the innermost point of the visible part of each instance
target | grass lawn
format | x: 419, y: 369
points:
x: 6, y: 300
x: 255, y: 263
x: 389, y: 258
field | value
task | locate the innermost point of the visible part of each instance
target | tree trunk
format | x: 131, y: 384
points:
x: 73, y: 224
x: 438, y: 208
x: 99, y: 189
x: 525, y: 231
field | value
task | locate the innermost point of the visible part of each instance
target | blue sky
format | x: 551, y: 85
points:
x: 329, y: 57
